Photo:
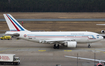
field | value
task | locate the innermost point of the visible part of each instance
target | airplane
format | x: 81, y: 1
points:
x: 57, y: 38
x: 99, y: 64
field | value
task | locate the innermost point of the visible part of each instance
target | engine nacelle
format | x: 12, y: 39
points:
x: 71, y: 44
x: 102, y: 31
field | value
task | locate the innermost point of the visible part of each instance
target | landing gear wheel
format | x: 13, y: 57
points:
x: 89, y: 46
x: 56, y: 46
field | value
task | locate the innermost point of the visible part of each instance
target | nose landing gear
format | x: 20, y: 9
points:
x: 89, y: 46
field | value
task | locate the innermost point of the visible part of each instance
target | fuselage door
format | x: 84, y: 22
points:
x: 90, y: 37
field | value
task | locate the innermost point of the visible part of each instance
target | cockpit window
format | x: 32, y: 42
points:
x: 98, y: 36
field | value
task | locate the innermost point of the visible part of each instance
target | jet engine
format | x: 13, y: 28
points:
x: 71, y: 44
x: 102, y: 31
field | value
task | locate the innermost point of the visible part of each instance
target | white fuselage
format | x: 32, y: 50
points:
x: 78, y: 36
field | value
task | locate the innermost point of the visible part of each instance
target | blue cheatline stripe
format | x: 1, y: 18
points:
x: 59, y: 35
x: 17, y: 24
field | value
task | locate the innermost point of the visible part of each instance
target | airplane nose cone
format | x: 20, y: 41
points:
x: 102, y: 37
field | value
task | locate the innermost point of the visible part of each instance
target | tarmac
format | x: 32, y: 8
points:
x: 36, y: 54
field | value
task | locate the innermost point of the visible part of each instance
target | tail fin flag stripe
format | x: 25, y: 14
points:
x: 16, y: 23
x: 13, y: 23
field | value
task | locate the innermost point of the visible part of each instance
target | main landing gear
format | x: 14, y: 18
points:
x: 89, y: 46
x: 56, y: 46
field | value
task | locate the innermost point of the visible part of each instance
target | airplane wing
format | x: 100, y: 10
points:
x: 65, y: 42
x: 86, y: 58
x: 56, y: 40
x: 59, y: 40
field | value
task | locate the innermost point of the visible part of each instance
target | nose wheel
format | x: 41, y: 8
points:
x: 56, y: 46
x: 89, y: 46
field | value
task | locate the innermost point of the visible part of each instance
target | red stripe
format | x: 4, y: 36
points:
x: 13, y: 23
